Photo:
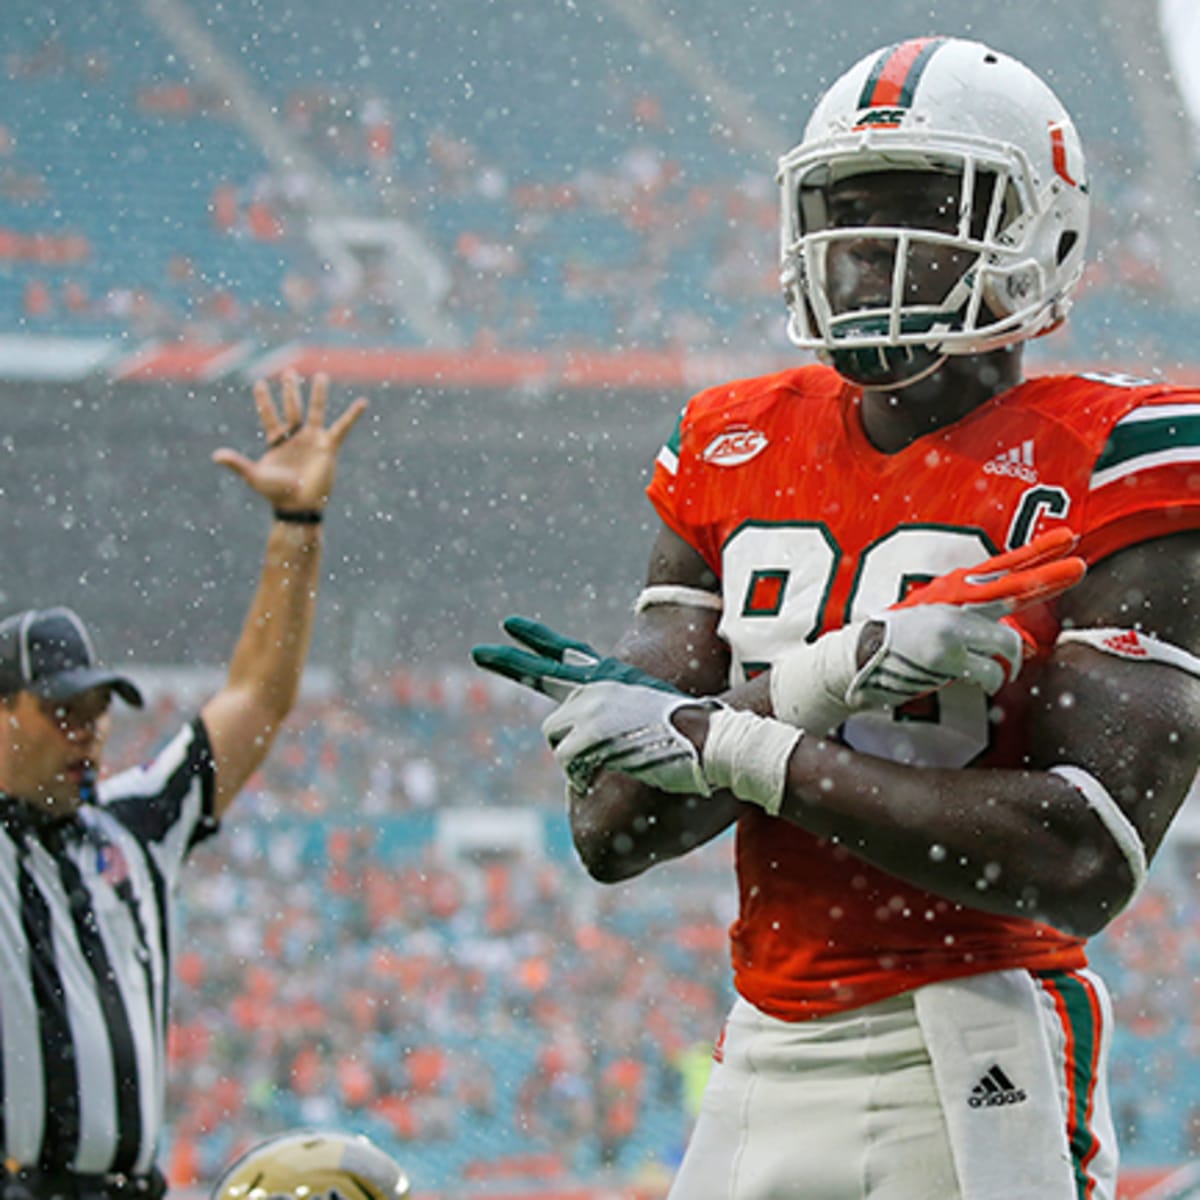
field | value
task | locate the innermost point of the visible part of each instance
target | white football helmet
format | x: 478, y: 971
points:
x: 313, y: 1165
x: 959, y: 108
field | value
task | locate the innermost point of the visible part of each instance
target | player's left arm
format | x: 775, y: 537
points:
x: 295, y: 476
x: 1115, y: 745
x: 1132, y: 721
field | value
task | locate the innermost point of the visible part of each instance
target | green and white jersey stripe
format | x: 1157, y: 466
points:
x: 1151, y: 436
x: 668, y: 456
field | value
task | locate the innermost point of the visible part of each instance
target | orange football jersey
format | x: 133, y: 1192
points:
x: 773, y: 481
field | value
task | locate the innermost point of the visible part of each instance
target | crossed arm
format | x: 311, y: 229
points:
x: 1016, y: 842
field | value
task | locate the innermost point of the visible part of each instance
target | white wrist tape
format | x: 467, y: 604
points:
x: 1131, y: 644
x: 810, y: 681
x: 1120, y: 827
x: 748, y: 755
x: 669, y: 593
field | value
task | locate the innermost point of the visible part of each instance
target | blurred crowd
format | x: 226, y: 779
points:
x: 1150, y: 957
x: 646, y: 251
x: 481, y: 1008
x: 346, y: 957
x: 342, y: 964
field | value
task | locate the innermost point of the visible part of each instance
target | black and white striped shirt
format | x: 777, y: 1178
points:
x: 86, y: 929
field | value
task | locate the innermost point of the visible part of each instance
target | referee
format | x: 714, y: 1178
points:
x: 88, y: 871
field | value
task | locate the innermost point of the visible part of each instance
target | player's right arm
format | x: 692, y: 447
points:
x: 622, y: 827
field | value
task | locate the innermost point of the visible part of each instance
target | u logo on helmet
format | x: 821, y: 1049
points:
x: 1058, y: 153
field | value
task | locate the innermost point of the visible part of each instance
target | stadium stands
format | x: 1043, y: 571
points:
x: 117, y: 149
x: 432, y: 996
x: 496, y: 1015
x: 594, y: 200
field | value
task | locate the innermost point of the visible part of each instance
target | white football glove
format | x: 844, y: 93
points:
x: 615, y: 716
x: 920, y: 650
x: 817, y: 686
x: 626, y: 727
x: 610, y: 726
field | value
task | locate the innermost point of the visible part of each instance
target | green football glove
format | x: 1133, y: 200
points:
x: 609, y: 725
x: 556, y: 665
x: 611, y: 715
x: 616, y: 717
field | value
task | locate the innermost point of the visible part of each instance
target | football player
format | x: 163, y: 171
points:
x: 865, y: 641
x: 313, y: 1165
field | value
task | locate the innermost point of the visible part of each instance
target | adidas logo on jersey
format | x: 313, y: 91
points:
x: 1127, y: 644
x: 995, y: 1089
x: 1017, y: 462
x: 734, y: 447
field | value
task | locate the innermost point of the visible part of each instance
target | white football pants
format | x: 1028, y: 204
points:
x: 989, y: 1088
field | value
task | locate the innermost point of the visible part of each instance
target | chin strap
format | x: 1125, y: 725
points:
x: 898, y: 367
x: 894, y: 367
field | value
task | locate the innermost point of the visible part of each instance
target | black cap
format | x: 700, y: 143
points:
x: 48, y: 652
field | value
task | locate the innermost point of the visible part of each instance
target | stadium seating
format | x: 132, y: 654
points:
x: 471, y: 1012
x: 576, y: 199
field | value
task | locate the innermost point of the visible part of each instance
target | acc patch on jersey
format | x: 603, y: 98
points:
x: 734, y: 447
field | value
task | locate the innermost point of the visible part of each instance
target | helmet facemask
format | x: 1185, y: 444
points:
x: 904, y: 330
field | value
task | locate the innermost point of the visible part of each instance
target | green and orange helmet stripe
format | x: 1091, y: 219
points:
x: 892, y: 80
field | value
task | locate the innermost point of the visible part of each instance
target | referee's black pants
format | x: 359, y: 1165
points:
x: 32, y: 1183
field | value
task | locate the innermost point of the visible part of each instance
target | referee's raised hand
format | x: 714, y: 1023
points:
x: 295, y: 475
x: 99, y: 855
x: 296, y: 470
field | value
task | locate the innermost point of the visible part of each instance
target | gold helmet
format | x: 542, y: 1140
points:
x: 313, y: 1165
